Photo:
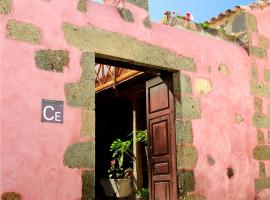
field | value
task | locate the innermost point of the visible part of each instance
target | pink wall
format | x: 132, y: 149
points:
x: 32, y: 152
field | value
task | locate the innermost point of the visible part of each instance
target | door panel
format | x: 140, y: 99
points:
x: 161, y: 136
x: 162, y: 190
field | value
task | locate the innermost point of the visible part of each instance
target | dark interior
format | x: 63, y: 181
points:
x: 114, y: 119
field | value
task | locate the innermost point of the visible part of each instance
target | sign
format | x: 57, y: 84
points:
x: 52, y: 111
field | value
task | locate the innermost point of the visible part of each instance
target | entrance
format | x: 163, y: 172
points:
x: 127, y: 101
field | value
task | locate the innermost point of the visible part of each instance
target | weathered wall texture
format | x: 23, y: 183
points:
x: 222, y: 98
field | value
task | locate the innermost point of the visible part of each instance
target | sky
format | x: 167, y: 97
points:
x: 202, y: 10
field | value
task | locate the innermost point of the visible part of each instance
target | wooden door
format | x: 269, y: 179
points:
x: 161, y: 135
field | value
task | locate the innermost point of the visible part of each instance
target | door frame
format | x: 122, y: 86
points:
x: 163, y: 72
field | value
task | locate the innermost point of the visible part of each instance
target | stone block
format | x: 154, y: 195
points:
x: 88, y: 185
x: 262, y: 183
x: 10, y: 196
x: 147, y: 22
x: 183, y: 131
x: 261, y: 152
x: 182, y: 83
x: 257, y: 52
x: 251, y: 22
x: 23, y: 31
x: 262, y: 172
x: 140, y: 3
x: 126, y: 14
x: 259, y: 89
x: 124, y: 48
x: 263, y: 42
x: 260, y: 137
x: 5, y: 7
x: 258, y: 104
x: 82, y: 6
x: 88, y: 65
x: 88, y: 123
x: 188, y: 108
x: 51, y: 60
x: 238, y: 118
x: 261, y: 121
x: 81, y: 94
x: 244, y: 22
x: 186, y: 181
x: 254, y: 71
x: 80, y: 155
x: 223, y: 69
x: 203, y: 86
x: 267, y: 75
x: 187, y: 156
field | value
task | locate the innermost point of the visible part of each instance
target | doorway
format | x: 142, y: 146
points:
x: 129, y: 100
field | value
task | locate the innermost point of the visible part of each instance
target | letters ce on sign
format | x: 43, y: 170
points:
x: 52, y: 111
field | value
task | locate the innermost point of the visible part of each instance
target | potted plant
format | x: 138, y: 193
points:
x: 142, y: 194
x: 119, y: 183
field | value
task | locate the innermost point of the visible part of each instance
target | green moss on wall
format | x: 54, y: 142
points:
x: 124, y: 48
x: 80, y: 155
x: 5, y: 7
x: 23, y: 31
x: 187, y: 156
x: 187, y: 107
x: 51, y: 60
x: 82, y: 6
x: 88, y: 185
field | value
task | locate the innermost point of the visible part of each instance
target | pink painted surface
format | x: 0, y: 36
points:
x: 32, y: 152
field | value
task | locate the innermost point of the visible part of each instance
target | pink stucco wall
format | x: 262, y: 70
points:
x: 32, y: 152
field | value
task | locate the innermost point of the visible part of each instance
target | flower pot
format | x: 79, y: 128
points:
x: 119, y: 188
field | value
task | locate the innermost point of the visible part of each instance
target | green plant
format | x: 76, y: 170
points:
x: 143, y: 193
x: 142, y: 137
x: 204, y: 25
x: 120, y: 149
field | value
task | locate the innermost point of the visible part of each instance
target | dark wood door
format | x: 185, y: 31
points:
x: 161, y: 135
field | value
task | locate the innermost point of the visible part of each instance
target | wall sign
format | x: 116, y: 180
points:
x: 52, y: 111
